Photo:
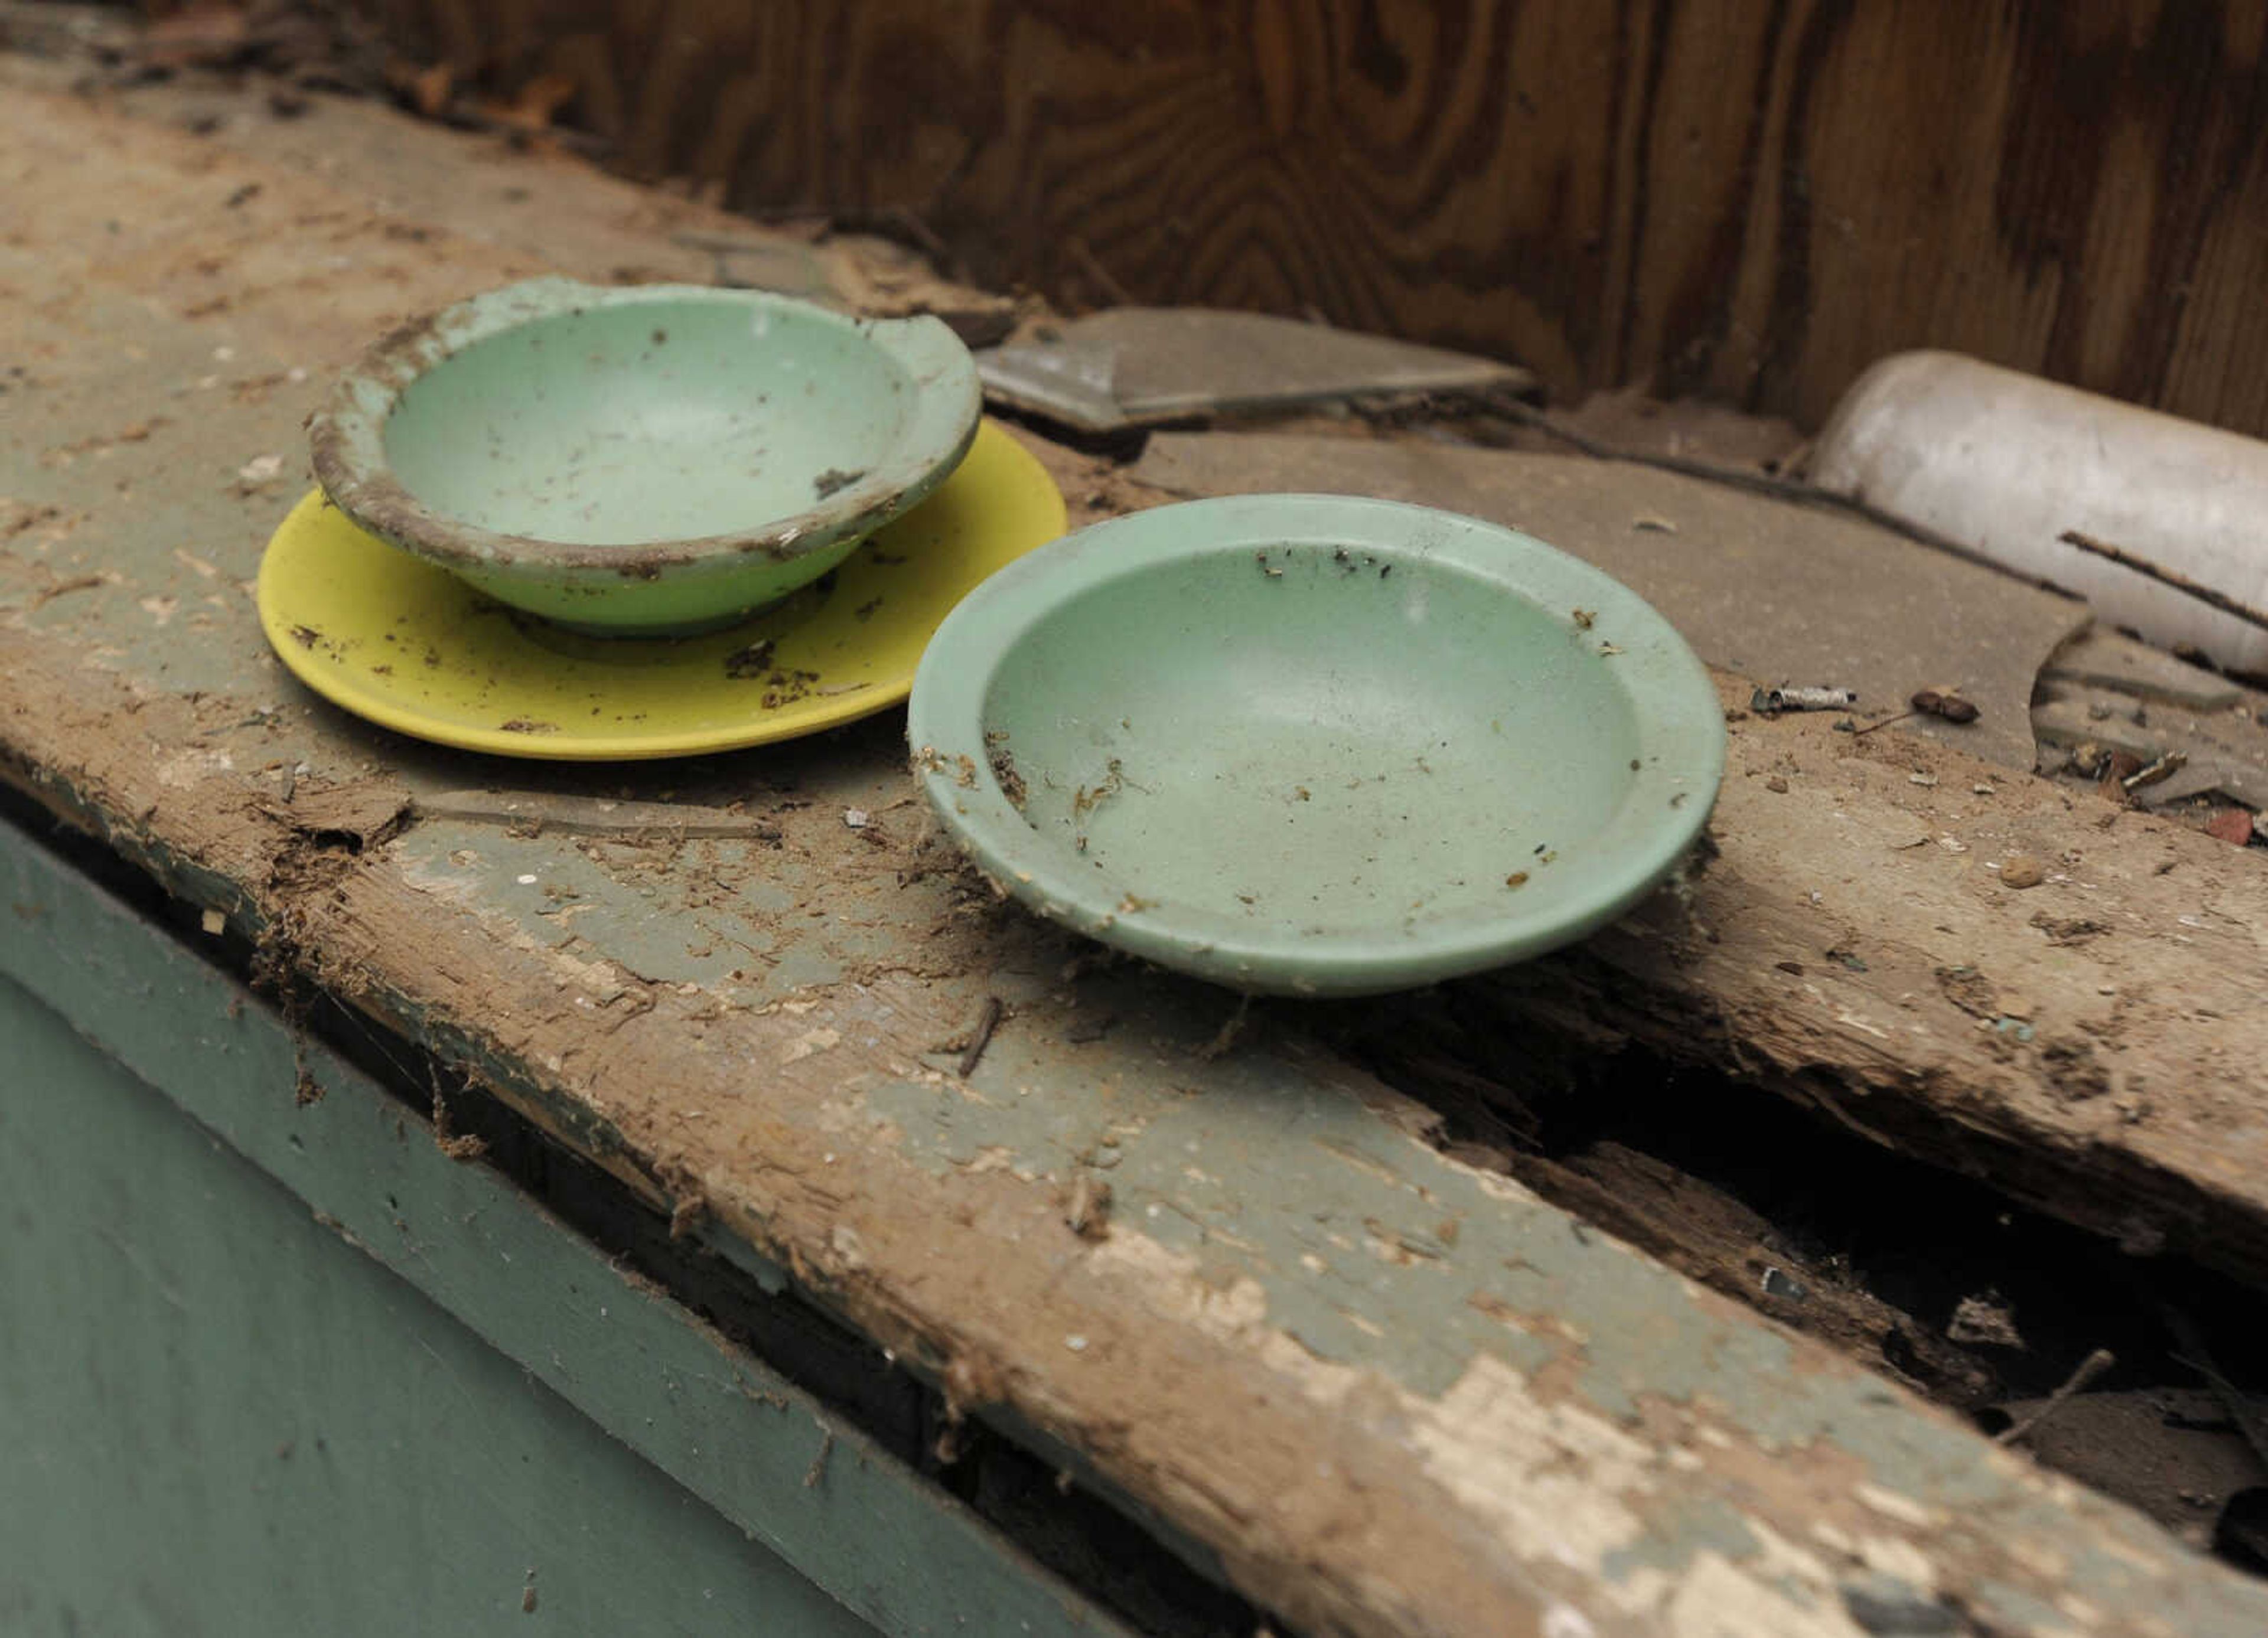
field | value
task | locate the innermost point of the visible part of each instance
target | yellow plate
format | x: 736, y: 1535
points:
x: 409, y: 646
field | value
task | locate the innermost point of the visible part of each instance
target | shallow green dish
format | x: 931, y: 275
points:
x: 646, y: 459
x: 1316, y: 745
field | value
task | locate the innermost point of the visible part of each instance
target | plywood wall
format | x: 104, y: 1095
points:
x: 1748, y: 198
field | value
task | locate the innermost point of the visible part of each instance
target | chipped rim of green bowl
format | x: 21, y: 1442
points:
x: 347, y: 435
x: 1679, y: 720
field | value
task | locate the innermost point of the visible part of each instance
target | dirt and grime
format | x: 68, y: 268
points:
x: 618, y: 986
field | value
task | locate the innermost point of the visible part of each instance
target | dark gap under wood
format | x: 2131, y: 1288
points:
x: 1879, y: 1254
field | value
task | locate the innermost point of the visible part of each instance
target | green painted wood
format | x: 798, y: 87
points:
x: 180, y: 1318
x: 218, y: 1419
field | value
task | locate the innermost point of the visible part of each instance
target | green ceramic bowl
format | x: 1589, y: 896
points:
x: 648, y: 459
x: 1310, y: 744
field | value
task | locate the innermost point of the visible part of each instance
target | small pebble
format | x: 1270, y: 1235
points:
x: 1776, y: 784
x: 2020, y: 870
x: 1778, y: 1284
x: 2231, y: 825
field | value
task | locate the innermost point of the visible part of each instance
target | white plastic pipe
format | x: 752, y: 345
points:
x: 2005, y: 463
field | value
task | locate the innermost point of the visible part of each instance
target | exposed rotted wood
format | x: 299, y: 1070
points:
x: 1756, y: 198
x: 2087, y: 1044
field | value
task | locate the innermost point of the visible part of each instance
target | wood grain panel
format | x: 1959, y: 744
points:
x: 1749, y: 198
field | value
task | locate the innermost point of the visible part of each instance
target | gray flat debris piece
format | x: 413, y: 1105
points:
x: 1137, y: 366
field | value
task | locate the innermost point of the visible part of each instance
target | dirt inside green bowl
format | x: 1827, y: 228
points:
x: 630, y: 425
x: 1336, y: 741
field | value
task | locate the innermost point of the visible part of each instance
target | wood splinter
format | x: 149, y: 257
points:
x: 817, y: 1471
x: 2240, y: 1409
x: 980, y: 1037
x: 1087, y: 1212
x: 2166, y: 577
x: 2092, y: 1366
x: 1218, y: 1046
x: 2165, y: 767
x: 1929, y: 703
x: 464, y: 1146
